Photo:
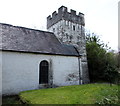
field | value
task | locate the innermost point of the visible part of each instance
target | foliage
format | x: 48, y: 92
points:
x: 108, y: 100
x: 14, y: 99
x: 76, y: 94
x: 101, y: 63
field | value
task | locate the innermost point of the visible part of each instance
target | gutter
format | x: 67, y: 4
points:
x: 80, y: 67
x: 44, y: 53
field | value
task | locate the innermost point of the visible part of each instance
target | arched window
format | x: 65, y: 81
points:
x: 43, y: 72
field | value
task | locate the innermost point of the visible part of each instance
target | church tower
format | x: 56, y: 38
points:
x: 69, y: 28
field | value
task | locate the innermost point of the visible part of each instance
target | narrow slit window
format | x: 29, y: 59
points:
x: 53, y: 29
x: 74, y: 27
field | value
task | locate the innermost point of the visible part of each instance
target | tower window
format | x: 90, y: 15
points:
x: 53, y: 29
x: 74, y: 27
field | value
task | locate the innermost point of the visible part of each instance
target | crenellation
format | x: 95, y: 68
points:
x: 54, y: 14
x: 49, y: 17
x: 73, y: 12
x: 64, y: 14
x: 80, y: 14
x: 62, y: 9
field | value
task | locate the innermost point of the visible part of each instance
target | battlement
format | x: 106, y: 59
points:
x: 64, y: 14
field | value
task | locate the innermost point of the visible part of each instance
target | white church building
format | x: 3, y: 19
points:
x: 34, y: 59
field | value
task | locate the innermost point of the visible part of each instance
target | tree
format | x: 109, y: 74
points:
x: 101, y: 64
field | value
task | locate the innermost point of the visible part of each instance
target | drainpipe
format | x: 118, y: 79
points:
x: 80, y: 70
x: 80, y: 67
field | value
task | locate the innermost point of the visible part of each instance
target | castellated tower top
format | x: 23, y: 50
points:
x: 64, y: 14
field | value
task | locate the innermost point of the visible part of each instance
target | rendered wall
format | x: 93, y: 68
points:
x: 0, y: 79
x: 20, y: 71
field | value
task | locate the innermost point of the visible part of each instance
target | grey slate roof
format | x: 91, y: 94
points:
x: 22, y: 39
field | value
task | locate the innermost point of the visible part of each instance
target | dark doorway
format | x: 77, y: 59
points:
x: 43, y: 72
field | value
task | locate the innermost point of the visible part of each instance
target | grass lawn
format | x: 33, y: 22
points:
x: 76, y: 94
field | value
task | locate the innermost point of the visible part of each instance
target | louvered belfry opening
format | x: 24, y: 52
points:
x: 43, y: 72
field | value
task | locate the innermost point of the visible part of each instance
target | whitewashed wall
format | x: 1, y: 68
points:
x: 20, y: 71
x: 0, y: 79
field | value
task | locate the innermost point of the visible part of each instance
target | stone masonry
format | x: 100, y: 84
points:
x: 69, y: 29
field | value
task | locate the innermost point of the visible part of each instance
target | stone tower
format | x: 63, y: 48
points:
x: 69, y: 29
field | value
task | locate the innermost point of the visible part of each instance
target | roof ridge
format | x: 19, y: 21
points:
x: 25, y: 28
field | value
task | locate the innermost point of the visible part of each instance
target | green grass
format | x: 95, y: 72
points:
x: 76, y: 94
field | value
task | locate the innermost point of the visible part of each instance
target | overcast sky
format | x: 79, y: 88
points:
x: 101, y: 16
